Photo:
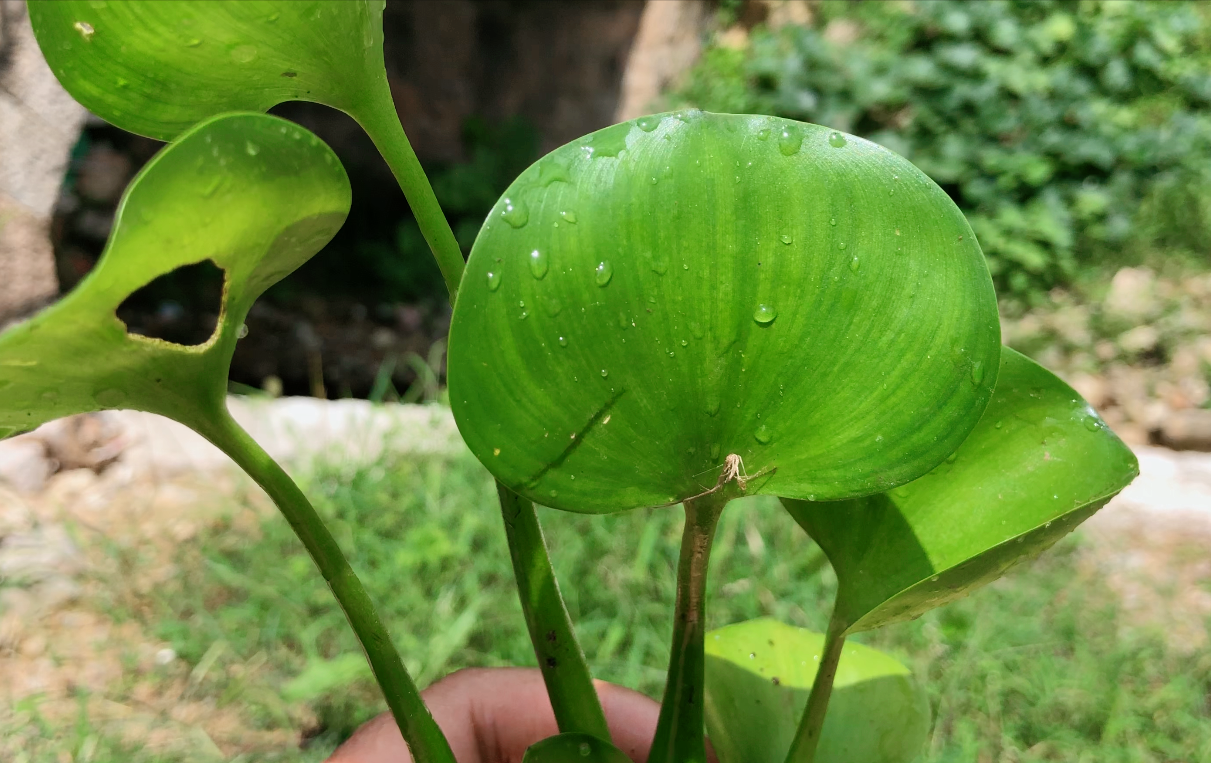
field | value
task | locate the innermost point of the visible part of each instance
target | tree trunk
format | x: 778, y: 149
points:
x: 39, y: 124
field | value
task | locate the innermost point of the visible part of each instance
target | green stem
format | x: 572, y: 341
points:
x: 420, y: 731
x: 807, y: 737
x: 379, y: 119
x: 679, y: 731
x: 564, y: 668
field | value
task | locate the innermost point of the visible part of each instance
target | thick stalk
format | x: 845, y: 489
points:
x: 807, y: 737
x: 420, y: 731
x: 377, y: 116
x: 679, y: 730
x: 563, y: 665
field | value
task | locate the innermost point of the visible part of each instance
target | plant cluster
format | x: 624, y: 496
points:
x: 687, y: 308
x: 1065, y: 131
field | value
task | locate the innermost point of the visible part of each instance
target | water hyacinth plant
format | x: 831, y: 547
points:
x: 681, y: 309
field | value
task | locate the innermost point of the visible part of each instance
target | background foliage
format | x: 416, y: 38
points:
x: 1068, y: 131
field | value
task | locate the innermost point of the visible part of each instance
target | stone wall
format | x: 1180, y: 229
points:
x: 39, y: 124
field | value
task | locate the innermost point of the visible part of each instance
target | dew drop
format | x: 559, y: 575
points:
x: 243, y: 54
x: 585, y: 750
x: 836, y: 140
x: 539, y: 264
x: 1092, y: 424
x: 563, y: 341
x: 854, y: 264
x: 608, y: 143
x: 604, y: 373
x: 660, y: 264
x: 604, y: 272
x: 712, y: 404
x: 841, y: 245
x: 833, y: 221
x: 977, y: 371
x: 763, y: 133
x: 193, y: 42
x: 515, y: 213
x: 763, y: 435
x: 786, y: 238
x: 1000, y: 424
x: 790, y: 140
x: 85, y: 29
x: 764, y: 315
x: 715, y: 457
x: 552, y: 171
x: 672, y: 354
x: 554, y: 494
x: 493, y: 280
x: 252, y: 148
x: 623, y: 322
x: 647, y: 124
x: 242, y: 332
x: 684, y: 343
x: 568, y: 215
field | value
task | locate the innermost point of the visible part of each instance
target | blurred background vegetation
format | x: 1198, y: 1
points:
x: 1073, y: 134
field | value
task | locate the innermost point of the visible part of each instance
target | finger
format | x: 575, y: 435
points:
x: 492, y: 715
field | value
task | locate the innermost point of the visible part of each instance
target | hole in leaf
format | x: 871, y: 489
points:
x: 181, y: 307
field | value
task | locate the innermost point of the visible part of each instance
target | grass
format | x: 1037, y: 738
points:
x: 1038, y: 667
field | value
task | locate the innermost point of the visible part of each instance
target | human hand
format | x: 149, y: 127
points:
x: 491, y: 715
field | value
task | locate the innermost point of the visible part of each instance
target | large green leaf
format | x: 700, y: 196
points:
x: 574, y: 748
x: 1039, y: 463
x: 656, y: 296
x: 255, y: 194
x: 156, y: 67
x: 758, y: 677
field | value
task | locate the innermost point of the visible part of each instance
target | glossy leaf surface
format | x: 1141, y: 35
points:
x: 665, y: 292
x: 574, y: 748
x: 255, y: 194
x: 758, y: 677
x: 1039, y: 463
x: 156, y: 67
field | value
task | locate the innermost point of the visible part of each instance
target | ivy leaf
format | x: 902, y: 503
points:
x: 155, y: 67
x: 1039, y: 463
x: 664, y: 293
x: 254, y: 194
x: 758, y: 677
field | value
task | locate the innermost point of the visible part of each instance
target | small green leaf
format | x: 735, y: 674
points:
x: 1039, y: 463
x: 758, y: 677
x: 703, y: 304
x: 156, y: 68
x: 574, y: 748
x: 256, y: 195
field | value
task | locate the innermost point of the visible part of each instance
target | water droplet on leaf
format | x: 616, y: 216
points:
x: 604, y: 272
x: 977, y: 371
x: 764, y: 315
x: 854, y: 264
x: 604, y: 373
x: 563, y: 341
x: 243, y: 54
x: 568, y: 215
x: 763, y: 434
x: 515, y: 213
x: 786, y: 238
x: 252, y: 148
x: 836, y: 140
x: 790, y: 140
x: 538, y: 264
x: 85, y: 29
x: 493, y: 280
x: 647, y: 124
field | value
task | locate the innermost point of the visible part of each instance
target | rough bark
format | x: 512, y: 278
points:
x: 667, y: 44
x: 39, y: 124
